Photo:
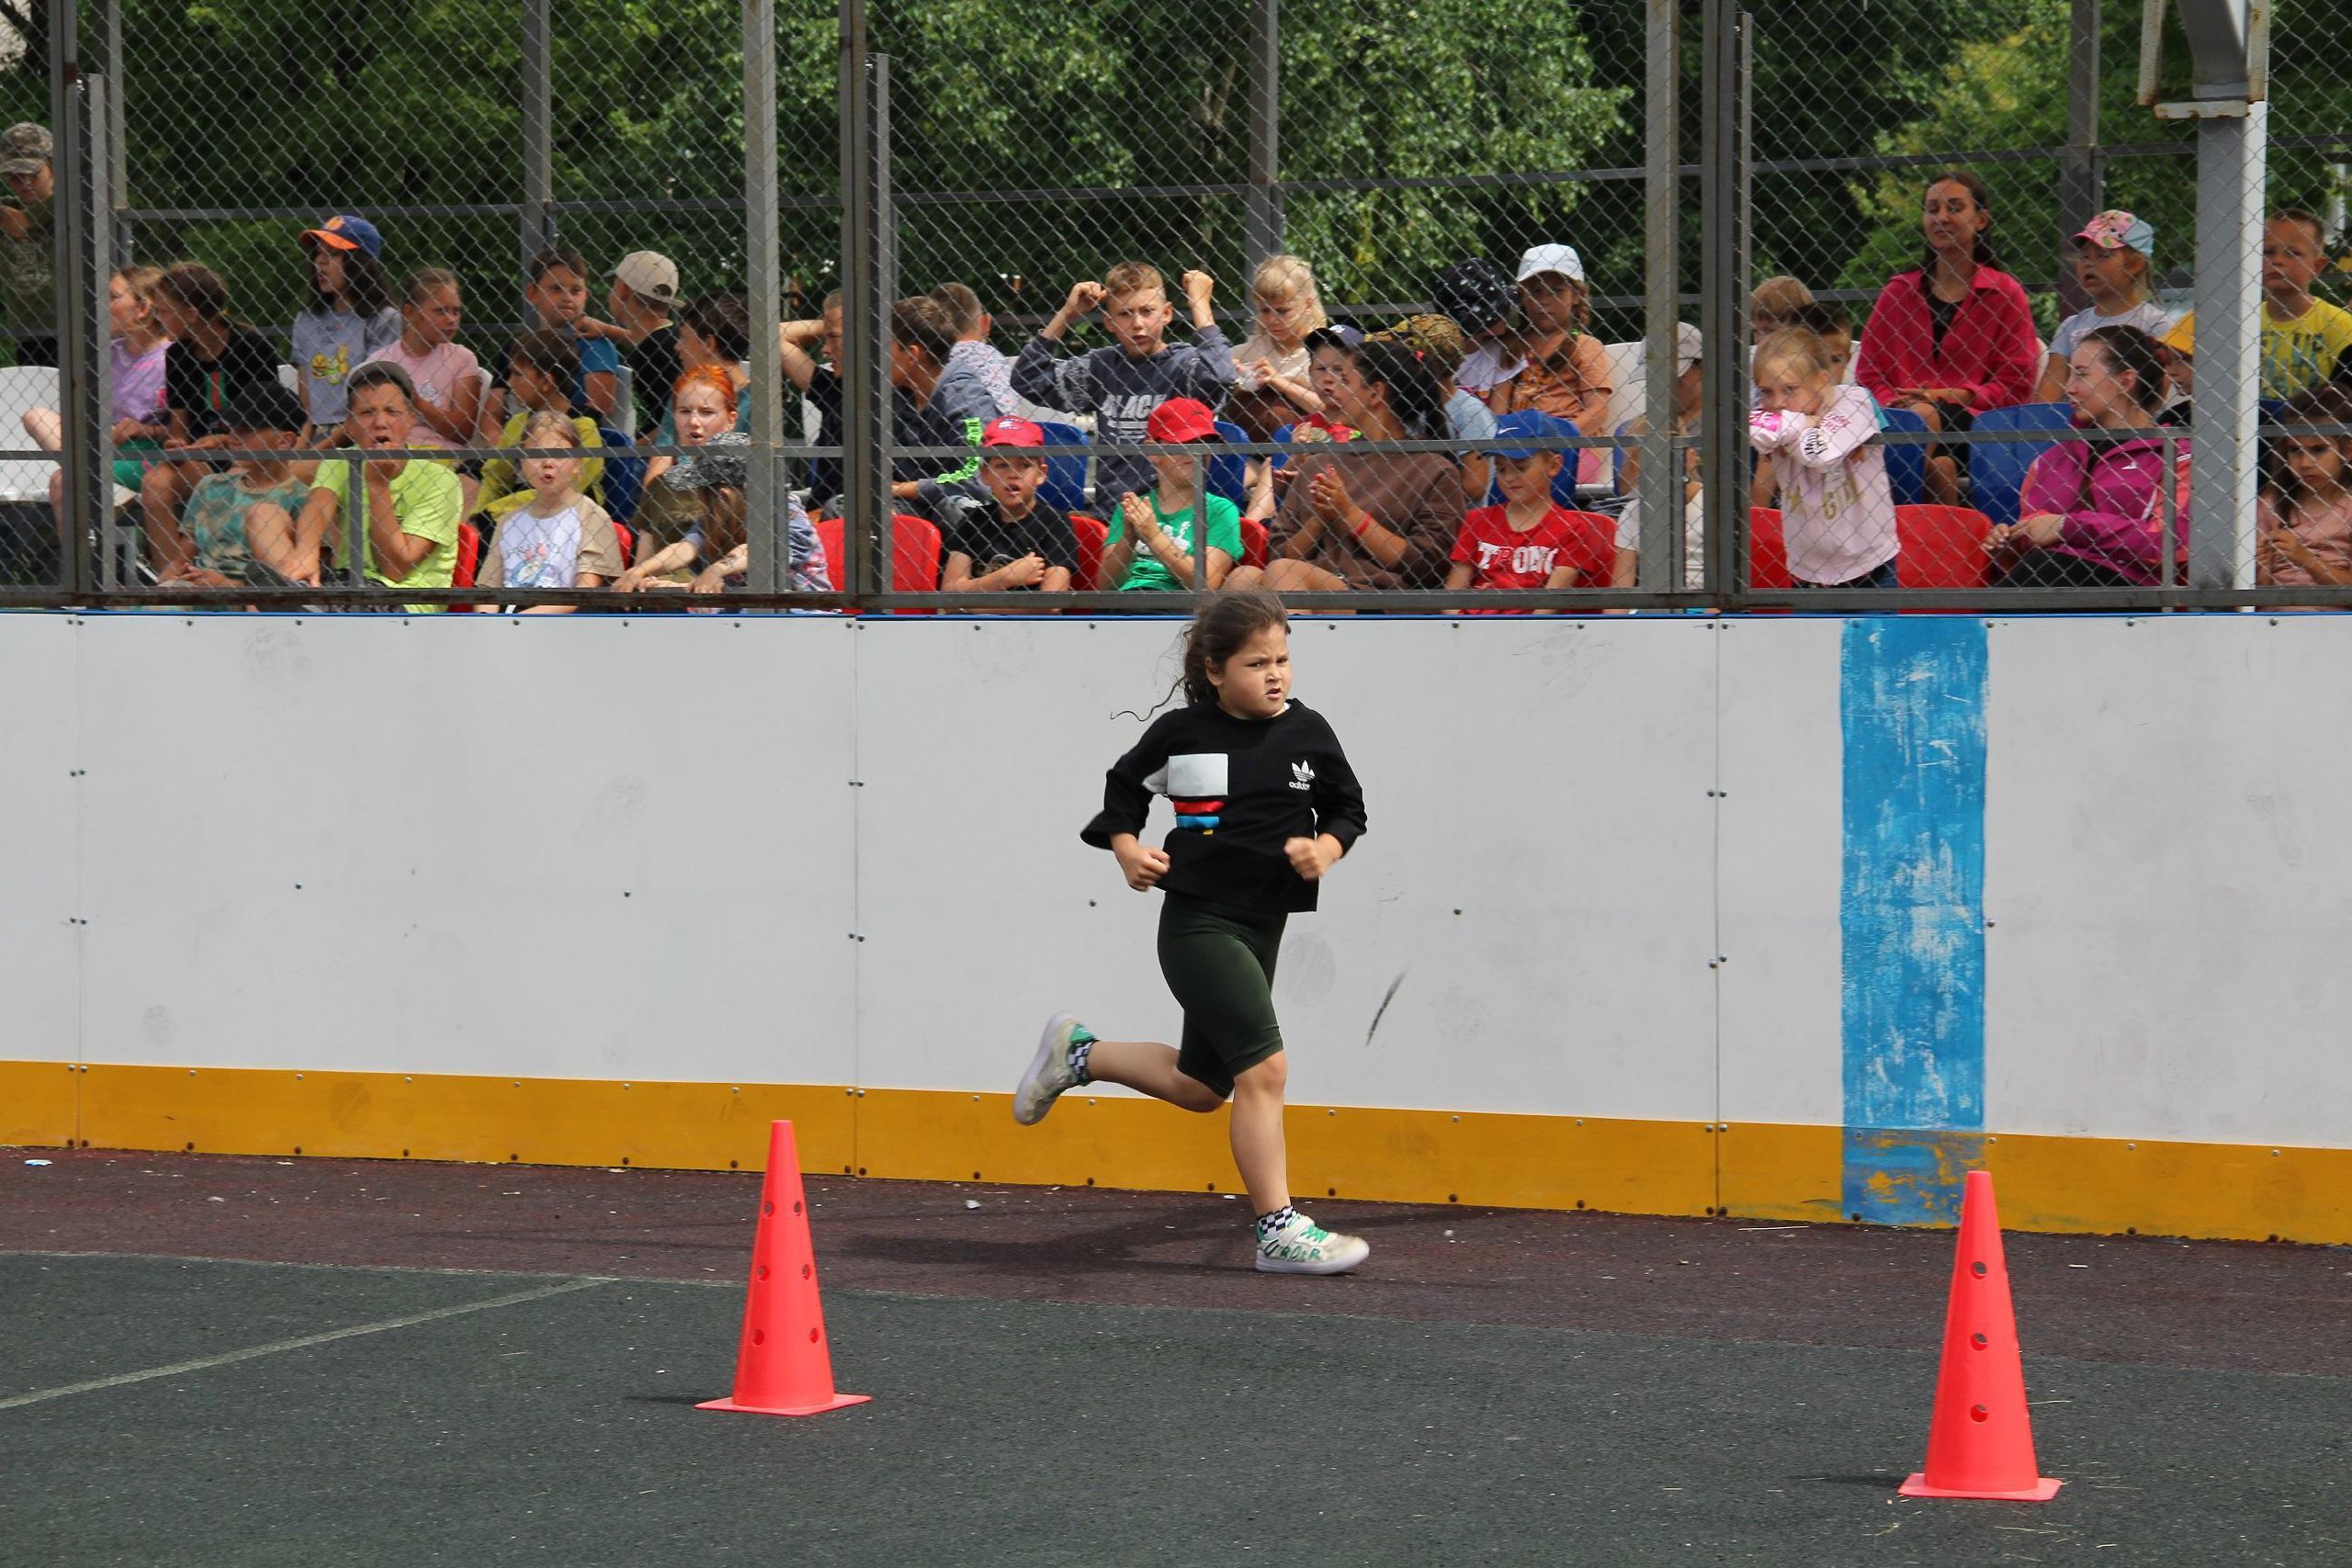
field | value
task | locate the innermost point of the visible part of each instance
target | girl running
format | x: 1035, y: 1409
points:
x: 1265, y: 804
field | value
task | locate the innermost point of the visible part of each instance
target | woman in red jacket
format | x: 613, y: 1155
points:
x: 1953, y: 337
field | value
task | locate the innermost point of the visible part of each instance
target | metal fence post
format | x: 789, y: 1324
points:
x: 2082, y: 177
x: 865, y: 396
x: 1723, y: 309
x: 118, y: 166
x: 89, y: 501
x: 1661, y: 541
x: 2225, y: 406
x: 765, y: 538
x: 1262, y: 216
x: 536, y: 222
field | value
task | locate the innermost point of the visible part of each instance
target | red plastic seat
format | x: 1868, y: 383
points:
x: 914, y: 554
x: 1768, y: 552
x: 463, y: 570
x: 1092, y: 536
x: 1253, y: 543
x: 1943, y: 547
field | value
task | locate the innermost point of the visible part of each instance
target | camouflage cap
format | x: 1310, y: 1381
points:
x: 1440, y: 337
x: 24, y: 147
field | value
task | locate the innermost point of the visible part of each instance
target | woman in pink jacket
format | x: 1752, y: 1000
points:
x: 1953, y: 337
x: 2093, y: 516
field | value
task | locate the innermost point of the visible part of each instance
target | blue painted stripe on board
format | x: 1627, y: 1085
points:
x: 1912, y: 912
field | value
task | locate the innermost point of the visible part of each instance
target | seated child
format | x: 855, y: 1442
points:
x: 558, y: 295
x: 1530, y: 541
x: 558, y: 537
x: 2114, y: 262
x: 2304, y: 533
x: 1011, y: 541
x: 1153, y: 541
x: 2303, y: 336
x: 540, y: 368
x: 696, y: 504
x: 216, y: 551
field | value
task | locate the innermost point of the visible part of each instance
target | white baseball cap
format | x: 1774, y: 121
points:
x: 650, y: 275
x: 1550, y: 258
x: 1689, y: 347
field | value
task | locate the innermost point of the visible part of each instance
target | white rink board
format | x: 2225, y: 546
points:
x: 1780, y: 859
x: 40, y: 819
x: 575, y: 849
x: 587, y: 849
x: 2169, y: 879
x: 1547, y: 779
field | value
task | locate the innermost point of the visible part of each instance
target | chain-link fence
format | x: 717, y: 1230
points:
x: 1459, y: 305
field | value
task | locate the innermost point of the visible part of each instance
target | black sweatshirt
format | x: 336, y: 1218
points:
x: 1241, y: 789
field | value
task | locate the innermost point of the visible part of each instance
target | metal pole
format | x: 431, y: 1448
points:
x: 118, y: 158
x: 765, y: 537
x: 886, y: 202
x: 865, y: 399
x: 2224, y: 407
x: 536, y: 223
x: 90, y: 503
x: 2082, y: 176
x: 1724, y: 294
x: 1263, y: 214
x: 67, y: 204
x: 1661, y: 541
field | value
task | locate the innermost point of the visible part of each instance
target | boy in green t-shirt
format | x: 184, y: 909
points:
x: 409, y: 532
x: 1151, y: 542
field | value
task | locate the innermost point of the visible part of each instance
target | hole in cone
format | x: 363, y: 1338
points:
x: 812, y: 1337
x: 763, y: 1274
x: 795, y: 1205
x: 805, y: 1270
x: 1978, y: 1269
x: 1978, y: 1340
x: 1978, y: 1413
x: 766, y: 1207
x: 759, y: 1337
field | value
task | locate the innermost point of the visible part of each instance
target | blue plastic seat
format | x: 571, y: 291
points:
x: 1997, y: 470
x: 623, y: 479
x: 1229, y: 473
x: 1065, y: 486
x: 1906, y: 467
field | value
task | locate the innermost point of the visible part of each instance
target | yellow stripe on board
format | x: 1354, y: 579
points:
x: 1753, y: 1170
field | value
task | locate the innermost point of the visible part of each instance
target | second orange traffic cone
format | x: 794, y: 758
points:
x: 1980, y: 1441
x: 784, y: 1366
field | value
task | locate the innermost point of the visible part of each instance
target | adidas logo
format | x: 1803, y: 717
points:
x: 1302, y: 775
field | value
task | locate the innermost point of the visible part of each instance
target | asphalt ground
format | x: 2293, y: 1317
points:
x: 215, y: 1360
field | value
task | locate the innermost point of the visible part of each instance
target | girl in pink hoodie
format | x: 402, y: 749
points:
x: 2093, y: 515
x: 1836, y: 508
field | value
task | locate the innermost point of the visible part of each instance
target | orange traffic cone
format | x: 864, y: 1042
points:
x: 783, y: 1367
x: 1980, y: 1441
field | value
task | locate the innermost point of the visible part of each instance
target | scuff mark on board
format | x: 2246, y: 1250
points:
x: 1382, y: 1011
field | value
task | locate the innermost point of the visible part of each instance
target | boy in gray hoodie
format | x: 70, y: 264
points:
x: 1121, y: 385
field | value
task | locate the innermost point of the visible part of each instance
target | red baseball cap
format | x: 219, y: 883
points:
x: 1181, y: 419
x: 1011, y: 433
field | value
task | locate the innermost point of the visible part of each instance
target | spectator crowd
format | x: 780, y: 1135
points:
x: 1495, y: 378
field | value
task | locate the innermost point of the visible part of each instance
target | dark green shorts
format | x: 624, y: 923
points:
x: 1220, y: 964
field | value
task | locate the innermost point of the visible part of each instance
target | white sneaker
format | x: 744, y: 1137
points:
x: 1303, y: 1247
x: 1048, y: 1075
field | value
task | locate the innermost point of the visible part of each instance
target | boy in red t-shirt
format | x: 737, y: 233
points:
x: 1530, y: 541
